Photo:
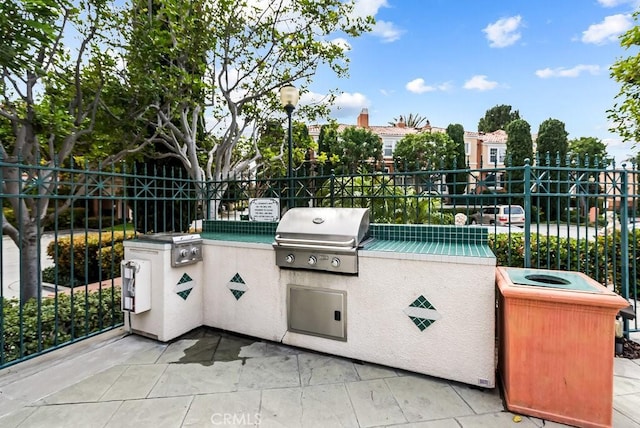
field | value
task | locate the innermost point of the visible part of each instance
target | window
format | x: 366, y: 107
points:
x: 467, y: 148
x: 497, y: 155
x: 388, y: 148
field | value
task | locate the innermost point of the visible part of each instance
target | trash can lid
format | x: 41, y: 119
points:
x: 553, y: 279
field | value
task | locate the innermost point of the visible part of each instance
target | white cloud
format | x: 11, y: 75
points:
x: 504, y: 32
x: 349, y: 104
x: 417, y: 86
x: 363, y: 8
x: 480, y: 83
x: 387, y: 31
x: 546, y: 73
x: 608, y: 30
x: 614, y: 3
x: 343, y: 43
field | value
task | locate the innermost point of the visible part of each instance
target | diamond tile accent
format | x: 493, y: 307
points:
x: 184, y: 286
x: 237, y: 294
x: 237, y: 286
x: 184, y: 294
x: 185, y: 278
x: 422, y: 313
x: 237, y: 278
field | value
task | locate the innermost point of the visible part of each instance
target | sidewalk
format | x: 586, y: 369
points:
x: 212, y: 378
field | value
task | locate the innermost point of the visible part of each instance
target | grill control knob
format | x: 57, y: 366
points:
x: 194, y: 251
x: 184, y: 252
x: 290, y: 258
x: 312, y: 260
x: 335, y: 262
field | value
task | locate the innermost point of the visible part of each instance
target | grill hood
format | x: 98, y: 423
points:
x: 340, y: 227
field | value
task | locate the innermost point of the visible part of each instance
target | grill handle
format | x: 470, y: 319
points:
x: 316, y: 243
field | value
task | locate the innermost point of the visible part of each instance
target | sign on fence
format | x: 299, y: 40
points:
x: 264, y: 209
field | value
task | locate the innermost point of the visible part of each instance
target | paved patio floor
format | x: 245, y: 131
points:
x: 210, y: 378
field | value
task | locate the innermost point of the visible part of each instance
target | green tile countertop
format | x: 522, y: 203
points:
x: 238, y: 237
x: 438, y: 248
x: 446, y: 241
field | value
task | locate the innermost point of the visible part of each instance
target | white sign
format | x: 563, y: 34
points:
x: 264, y: 209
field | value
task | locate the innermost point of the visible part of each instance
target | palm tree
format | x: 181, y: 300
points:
x: 410, y: 121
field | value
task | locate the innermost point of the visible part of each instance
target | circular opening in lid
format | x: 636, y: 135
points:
x: 547, y: 279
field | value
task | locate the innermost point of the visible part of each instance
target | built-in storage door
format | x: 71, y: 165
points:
x: 317, y: 311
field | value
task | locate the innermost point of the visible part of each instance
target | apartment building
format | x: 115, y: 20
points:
x: 481, y: 150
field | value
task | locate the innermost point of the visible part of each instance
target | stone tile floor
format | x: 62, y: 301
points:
x: 210, y: 378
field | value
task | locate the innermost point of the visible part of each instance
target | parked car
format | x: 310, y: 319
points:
x: 501, y: 215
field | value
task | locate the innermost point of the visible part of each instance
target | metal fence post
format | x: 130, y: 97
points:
x: 332, y: 187
x: 624, y: 243
x: 527, y: 213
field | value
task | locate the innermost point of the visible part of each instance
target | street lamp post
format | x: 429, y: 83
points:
x: 289, y: 96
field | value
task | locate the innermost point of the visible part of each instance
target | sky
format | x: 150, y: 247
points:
x: 450, y: 61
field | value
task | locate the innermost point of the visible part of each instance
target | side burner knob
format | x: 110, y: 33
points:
x: 312, y: 260
x: 184, y: 252
x: 195, y: 251
x: 290, y: 258
x: 335, y: 262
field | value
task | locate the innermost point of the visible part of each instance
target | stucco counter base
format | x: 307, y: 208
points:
x: 414, y: 312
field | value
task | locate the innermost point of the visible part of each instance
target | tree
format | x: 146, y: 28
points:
x: 497, y: 117
x: 411, y: 121
x: 328, y: 138
x: 588, y: 152
x: 235, y: 54
x: 355, y: 147
x: 625, y: 113
x: 426, y: 151
x: 49, y: 98
x: 552, y: 141
x: 457, y: 181
x: 519, y: 148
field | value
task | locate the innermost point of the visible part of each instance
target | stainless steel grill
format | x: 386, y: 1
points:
x: 186, y: 248
x: 325, y: 239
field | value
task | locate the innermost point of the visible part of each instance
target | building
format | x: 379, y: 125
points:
x: 481, y: 150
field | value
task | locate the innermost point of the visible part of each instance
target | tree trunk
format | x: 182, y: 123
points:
x: 30, y: 279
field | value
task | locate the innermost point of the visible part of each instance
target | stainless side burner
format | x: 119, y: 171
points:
x: 325, y: 239
x: 186, y: 248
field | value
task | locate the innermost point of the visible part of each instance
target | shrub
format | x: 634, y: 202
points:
x: 87, y: 258
x: 62, y: 319
x: 600, y: 259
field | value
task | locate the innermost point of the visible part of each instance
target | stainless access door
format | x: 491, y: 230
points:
x: 317, y: 311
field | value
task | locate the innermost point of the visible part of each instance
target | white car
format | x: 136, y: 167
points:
x: 501, y: 215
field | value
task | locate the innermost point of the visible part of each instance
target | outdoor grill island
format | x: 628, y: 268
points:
x: 414, y: 297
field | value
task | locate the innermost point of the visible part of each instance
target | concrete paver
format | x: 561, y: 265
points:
x: 209, y: 378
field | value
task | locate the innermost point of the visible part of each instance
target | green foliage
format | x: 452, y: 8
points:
x: 625, y: 113
x: 411, y: 121
x: 61, y: 320
x: 356, y: 146
x: 600, y: 260
x: 588, y: 152
x: 497, y: 117
x: 552, y: 140
x: 519, y: 142
x: 87, y: 258
x: 388, y: 203
x: 67, y: 219
x: 425, y: 151
x: 457, y: 182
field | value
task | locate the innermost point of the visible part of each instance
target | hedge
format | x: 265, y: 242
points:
x: 96, y: 257
x: 61, y: 322
x: 594, y: 258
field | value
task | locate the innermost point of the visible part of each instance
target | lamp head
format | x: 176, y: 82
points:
x: 289, y: 96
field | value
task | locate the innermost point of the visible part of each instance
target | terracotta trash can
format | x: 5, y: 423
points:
x: 556, y: 333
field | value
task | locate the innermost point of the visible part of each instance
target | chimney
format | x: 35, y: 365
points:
x: 363, y: 118
x: 401, y: 123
